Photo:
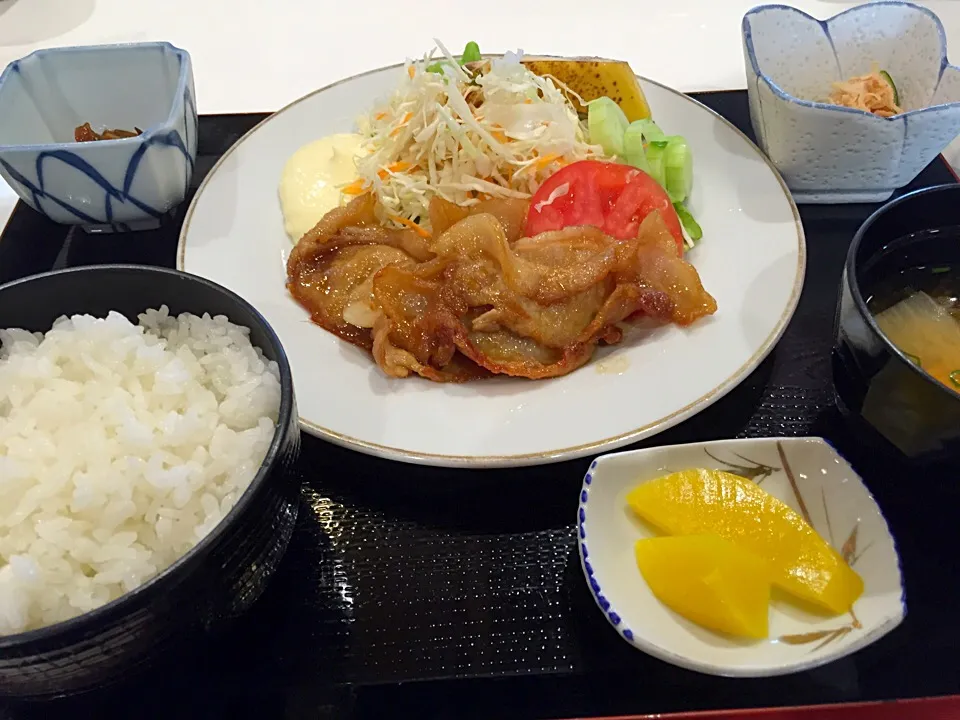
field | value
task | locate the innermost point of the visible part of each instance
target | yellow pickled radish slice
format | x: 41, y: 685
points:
x: 699, y: 501
x: 710, y: 581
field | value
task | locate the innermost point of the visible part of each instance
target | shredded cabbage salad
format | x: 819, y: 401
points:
x: 465, y: 133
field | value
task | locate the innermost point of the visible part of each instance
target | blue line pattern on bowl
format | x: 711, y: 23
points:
x: 170, y: 138
x: 106, y: 188
x: 613, y: 617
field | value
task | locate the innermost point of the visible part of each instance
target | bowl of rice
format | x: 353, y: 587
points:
x: 148, y: 432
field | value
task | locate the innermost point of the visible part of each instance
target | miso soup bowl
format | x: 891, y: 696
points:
x: 874, y: 381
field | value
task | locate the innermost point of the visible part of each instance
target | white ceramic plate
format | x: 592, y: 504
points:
x: 751, y: 259
x: 838, y: 506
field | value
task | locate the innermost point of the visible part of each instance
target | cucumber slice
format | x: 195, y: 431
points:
x: 651, y: 131
x: 646, y: 147
x: 690, y: 226
x: 677, y: 169
x: 634, y: 152
x: 896, y: 95
x: 606, y: 124
x: 656, y: 155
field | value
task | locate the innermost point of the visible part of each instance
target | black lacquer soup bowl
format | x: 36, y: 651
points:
x: 905, y: 245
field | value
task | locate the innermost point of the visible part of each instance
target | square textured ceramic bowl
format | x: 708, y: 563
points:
x: 104, y: 185
x: 805, y: 473
x: 831, y: 154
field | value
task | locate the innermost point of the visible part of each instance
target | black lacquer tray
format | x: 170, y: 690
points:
x: 415, y: 591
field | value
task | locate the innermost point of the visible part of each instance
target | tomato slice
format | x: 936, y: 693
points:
x: 613, y: 197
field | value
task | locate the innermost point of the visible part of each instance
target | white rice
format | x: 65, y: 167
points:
x: 121, y: 446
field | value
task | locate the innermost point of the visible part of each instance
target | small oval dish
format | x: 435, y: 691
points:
x: 832, y: 154
x: 805, y: 473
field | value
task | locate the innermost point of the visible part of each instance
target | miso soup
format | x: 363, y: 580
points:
x: 918, y: 310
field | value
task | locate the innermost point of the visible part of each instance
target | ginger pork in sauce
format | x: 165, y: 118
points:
x: 477, y: 298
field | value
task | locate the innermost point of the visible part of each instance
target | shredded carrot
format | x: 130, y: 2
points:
x: 412, y: 225
x: 528, y: 101
x: 411, y: 72
x: 357, y: 187
x: 379, y: 116
x: 396, y: 167
x: 500, y: 136
x: 546, y: 160
x: 873, y: 93
x: 403, y: 122
x: 540, y: 163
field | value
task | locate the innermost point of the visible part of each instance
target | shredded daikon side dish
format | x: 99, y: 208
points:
x: 466, y: 135
x: 872, y: 92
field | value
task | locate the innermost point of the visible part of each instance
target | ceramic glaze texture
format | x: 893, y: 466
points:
x: 829, y: 154
x: 115, y: 183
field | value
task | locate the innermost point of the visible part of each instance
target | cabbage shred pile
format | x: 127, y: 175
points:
x: 491, y: 129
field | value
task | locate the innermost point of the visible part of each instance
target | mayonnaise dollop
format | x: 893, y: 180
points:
x: 311, y: 180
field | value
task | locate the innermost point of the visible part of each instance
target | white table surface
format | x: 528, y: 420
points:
x: 258, y: 56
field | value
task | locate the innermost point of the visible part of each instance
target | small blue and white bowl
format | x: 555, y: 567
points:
x: 106, y: 185
x: 830, y: 154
